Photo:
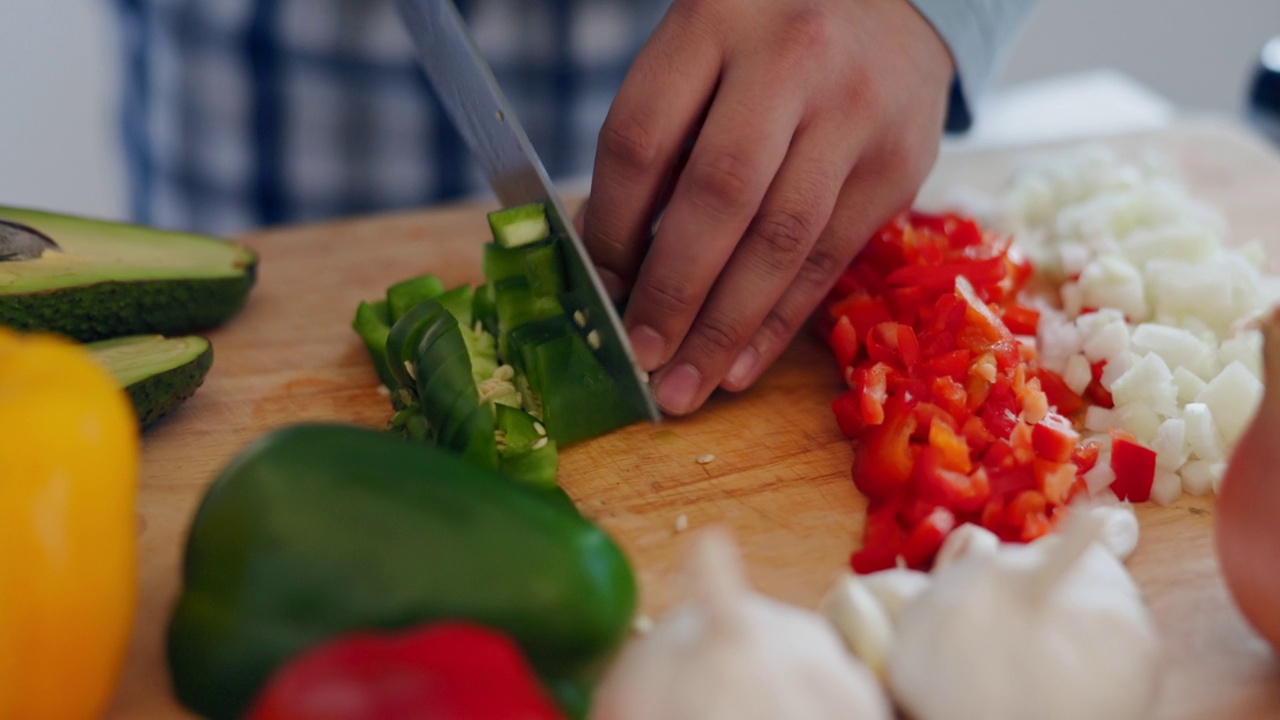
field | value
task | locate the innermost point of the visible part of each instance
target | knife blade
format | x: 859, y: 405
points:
x: 479, y: 110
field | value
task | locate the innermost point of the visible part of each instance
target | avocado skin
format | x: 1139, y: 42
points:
x: 138, y: 307
x: 158, y: 395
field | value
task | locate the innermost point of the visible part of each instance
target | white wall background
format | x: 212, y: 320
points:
x: 60, y: 72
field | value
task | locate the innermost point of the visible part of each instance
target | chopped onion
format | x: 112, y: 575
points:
x: 1166, y: 488
x: 1169, y: 304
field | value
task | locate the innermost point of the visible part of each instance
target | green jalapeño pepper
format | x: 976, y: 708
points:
x: 315, y: 531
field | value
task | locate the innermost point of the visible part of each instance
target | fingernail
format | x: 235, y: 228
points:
x: 677, y: 389
x: 649, y: 347
x: 742, y: 369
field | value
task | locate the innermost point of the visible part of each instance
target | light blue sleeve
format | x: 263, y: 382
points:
x: 979, y: 34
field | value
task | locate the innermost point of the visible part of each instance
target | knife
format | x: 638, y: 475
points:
x: 475, y: 103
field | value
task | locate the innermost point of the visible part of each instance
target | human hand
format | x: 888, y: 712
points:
x: 813, y: 122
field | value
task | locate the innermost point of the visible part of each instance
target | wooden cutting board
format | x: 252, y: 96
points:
x: 780, y: 477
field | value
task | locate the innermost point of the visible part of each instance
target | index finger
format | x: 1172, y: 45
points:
x: 657, y: 107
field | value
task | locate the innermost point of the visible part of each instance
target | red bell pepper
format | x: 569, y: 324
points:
x: 444, y: 671
x: 883, y: 457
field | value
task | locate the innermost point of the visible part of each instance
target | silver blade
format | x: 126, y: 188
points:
x: 470, y: 94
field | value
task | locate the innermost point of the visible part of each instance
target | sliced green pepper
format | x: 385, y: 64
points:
x: 373, y: 324
x: 407, y: 293
x: 519, y: 225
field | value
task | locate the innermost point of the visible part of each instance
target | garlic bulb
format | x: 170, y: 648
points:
x: 1053, y: 631
x: 729, y: 652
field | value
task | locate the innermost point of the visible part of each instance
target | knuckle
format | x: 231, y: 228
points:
x: 669, y: 296
x: 719, y: 333
x: 779, y: 325
x: 629, y: 140
x: 784, y: 235
x: 820, y: 268
x: 721, y: 180
x: 807, y: 34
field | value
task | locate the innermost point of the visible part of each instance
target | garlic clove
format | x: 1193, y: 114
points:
x: 1119, y: 529
x: 861, y: 619
x: 895, y: 587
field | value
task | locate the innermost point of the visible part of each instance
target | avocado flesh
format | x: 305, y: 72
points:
x: 158, y: 373
x: 108, y: 279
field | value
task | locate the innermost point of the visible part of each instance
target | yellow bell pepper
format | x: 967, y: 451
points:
x: 69, y: 454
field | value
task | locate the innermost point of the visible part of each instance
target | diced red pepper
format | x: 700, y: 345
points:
x: 950, y: 395
x: 1054, y: 439
x: 1134, y: 466
x: 992, y: 517
x: 953, y: 364
x: 883, y: 455
x: 1000, y: 409
x: 864, y: 312
x: 1084, y: 456
x: 1054, y: 479
x: 926, y: 537
x: 1059, y: 395
x: 844, y: 342
x: 1096, y: 393
x: 962, y: 493
x: 953, y: 451
x: 1036, y: 525
x: 848, y: 411
x: 893, y: 344
x: 977, y: 435
x: 1020, y: 319
x: 943, y: 276
x: 1024, y: 505
x: 882, y: 539
x: 1009, y: 481
x: 872, y: 386
x: 948, y: 414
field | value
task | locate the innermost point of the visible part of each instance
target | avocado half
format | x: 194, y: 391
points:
x: 158, y: 373
x: 94, y: 279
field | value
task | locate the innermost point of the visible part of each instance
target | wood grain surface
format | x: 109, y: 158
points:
x: 780, y: 477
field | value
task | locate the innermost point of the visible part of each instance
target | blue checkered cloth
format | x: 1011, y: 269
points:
x: 247, y: 113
